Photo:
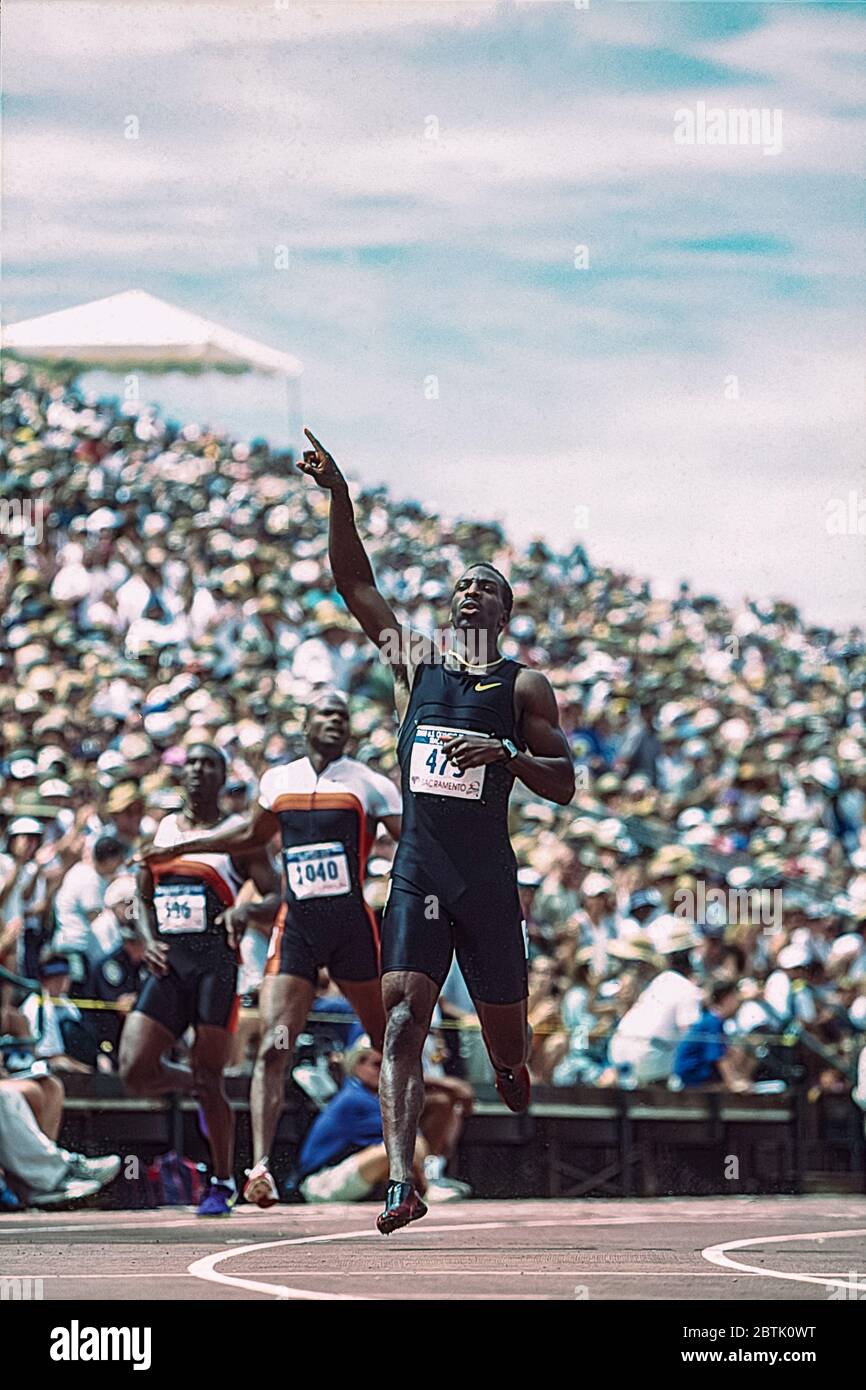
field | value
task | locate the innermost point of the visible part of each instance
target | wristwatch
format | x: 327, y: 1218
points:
x: 510, y: 748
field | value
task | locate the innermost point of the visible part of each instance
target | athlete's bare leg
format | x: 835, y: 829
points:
x: 365, y: 996
x: 244, y: 1037
x: 210, y: 1052
x: 143, y: 1067
x: 503, y: 1027
x: 409, y: 998
x: 284, y: 1003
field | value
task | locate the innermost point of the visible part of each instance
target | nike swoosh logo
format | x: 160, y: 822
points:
x: 479, y: 686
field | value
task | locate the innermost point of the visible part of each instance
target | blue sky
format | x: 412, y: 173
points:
x: 432, y: 170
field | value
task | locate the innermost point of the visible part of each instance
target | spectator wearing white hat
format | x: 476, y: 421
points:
x: 787, y: 990
x: 22, y: 895
x: 847, y: 955
x: 645, y: 1041
x: 665, y: 926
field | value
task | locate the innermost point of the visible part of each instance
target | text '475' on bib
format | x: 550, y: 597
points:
x: 432, y: 773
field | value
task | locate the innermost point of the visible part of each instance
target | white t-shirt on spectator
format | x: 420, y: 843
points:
x: 665, y: 1011
x: 80, y: 897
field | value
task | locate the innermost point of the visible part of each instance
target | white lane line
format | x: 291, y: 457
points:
x: 147, y: 1222
x: 376, y: 1271
x: 206, y: 1268
x: 716, y: 1254
x: 618, y: 1221
x: 46, y: 1231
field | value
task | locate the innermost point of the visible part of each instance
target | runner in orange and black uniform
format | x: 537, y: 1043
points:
x: 186, y: 908
x: 471, y: 723
x: 325, y: 808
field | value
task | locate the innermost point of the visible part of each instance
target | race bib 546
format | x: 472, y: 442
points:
x: 180, y: 907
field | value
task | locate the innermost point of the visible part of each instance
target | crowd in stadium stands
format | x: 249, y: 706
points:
x: 698, y: 908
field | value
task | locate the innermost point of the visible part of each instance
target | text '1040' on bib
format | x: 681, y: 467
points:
x: 317, y: 871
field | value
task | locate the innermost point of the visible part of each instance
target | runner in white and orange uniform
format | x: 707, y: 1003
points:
x: 185, y: 914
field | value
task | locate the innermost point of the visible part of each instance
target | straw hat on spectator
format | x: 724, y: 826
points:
x: 635, y: 948
x: 672, y: 935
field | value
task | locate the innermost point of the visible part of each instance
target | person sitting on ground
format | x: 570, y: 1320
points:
x: 343, y: 1157
x: 43, y: 1092
x: 31, y: 1109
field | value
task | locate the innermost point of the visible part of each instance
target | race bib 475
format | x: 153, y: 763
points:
x: 431, y: 772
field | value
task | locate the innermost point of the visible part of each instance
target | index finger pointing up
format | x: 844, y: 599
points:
x: 314, y: 441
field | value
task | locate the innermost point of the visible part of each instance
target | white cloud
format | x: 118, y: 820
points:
x: 307, y: 127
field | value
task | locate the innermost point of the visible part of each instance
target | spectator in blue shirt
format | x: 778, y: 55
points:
x: 703, y: 1056
x: 343, y: 1157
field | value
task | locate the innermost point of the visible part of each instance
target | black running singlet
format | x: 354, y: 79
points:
x: 455, y: 826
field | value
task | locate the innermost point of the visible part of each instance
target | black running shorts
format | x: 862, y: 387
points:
x: 200, y: 987
x: 340, y: 934
x: 485, y: 928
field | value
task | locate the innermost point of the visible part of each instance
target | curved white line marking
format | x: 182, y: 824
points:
x: 717, y: 1256
x: 206, y: 1267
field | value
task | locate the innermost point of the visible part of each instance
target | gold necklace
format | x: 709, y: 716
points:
x: 476, y: 670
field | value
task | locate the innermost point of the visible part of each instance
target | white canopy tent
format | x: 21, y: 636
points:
x: 136, y: 331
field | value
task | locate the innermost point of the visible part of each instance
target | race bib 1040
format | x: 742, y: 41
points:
x: 317, y: 871
x: 432, y: 773
x: 180, y: 907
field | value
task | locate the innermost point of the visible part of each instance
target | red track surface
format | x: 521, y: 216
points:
x: 638, y: 1249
